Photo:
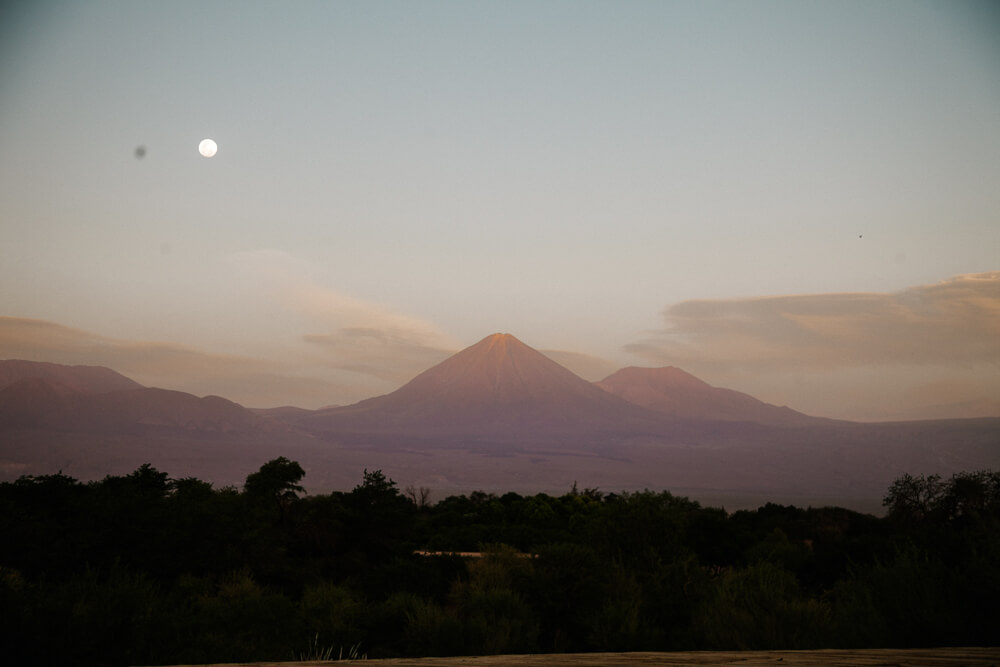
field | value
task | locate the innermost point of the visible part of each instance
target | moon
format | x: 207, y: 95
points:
x: 208, y: 148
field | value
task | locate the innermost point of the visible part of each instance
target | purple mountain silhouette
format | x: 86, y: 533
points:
x: 681, y: 395
x: 498, y: 387
x: 81, y: 379
x: 497, y: 415
x: 94, y: 398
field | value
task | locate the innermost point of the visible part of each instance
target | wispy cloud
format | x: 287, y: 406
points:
x: 586, y: 366
x: 149, y: 360
x: 855, y: 355
x: 340, y: 331
x: 953, y: 322
x: 391, y: 354
x: 279, y: 335
x: 252, y: 381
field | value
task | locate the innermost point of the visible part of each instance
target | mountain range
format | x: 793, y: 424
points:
x: 97, y: 399
x: 499, y: 389
x: 498, y: 415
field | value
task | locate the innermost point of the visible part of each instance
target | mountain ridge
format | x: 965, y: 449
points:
x: 96, y: 398
x: 80, y: 378
x: 677, y: 393
x: 498, y: 386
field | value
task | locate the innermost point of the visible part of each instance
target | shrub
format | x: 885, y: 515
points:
x: 760, y: 607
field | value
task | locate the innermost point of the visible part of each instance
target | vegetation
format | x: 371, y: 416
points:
x: 144, y: 569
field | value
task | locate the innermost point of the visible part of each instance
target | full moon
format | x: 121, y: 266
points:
x: 207, y: 147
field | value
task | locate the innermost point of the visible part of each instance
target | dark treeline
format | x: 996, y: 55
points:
x: 144, y: 569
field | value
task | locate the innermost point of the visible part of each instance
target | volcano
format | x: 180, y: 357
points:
x: 497, y: 388
x: 681, y: 395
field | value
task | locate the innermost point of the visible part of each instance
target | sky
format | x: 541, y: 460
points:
x: 798, y: 200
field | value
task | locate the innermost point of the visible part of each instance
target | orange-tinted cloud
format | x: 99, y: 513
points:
x: 953, y: 322
x: 250, y: 381
x: 588, y: 367
x: 393, y: 354
x: 925, y: 352
x: 339, y: 331
x: 286, y: 338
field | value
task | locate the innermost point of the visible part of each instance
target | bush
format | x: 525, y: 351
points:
x: 761, y: 607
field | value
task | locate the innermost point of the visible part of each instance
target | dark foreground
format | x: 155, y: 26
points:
x: 929, y: 657
x: 144, y: 569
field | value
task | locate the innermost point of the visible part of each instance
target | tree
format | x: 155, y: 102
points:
x: 965, y: 496
x: 277, y: 479
x: 913, y: 498
x: 419, y: 497
x: 379, y: 518
x: 969, y: 495
x: 375, y: 490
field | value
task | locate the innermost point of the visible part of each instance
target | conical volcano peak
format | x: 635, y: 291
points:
x: 498, y: 385
x: 500, y: 339
x: 677, y: 393
x: 499, y: 344
x: 667, y: 377
x: 500, y: 363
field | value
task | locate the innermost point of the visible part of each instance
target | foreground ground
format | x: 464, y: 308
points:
x: 931, y: 657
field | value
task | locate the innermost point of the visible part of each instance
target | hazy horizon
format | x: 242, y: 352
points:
x: 796, y: 201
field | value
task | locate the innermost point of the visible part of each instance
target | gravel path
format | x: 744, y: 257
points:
x: 932, y: 657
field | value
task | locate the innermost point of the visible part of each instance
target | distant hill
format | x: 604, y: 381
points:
x: 89, y: 421
x: 679, y: 394
x: 95, y: 398
x: 82, y: 379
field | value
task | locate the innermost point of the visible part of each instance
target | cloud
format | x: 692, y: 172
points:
x: 253, y: 382
x: 341, y: 332
x: 148, y: 362
x: 392, y: 353
x: 925, y: 352
x: 47, y: 341
x: 955, y: 322
x: 586, y: 366
x: 285, y: 338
